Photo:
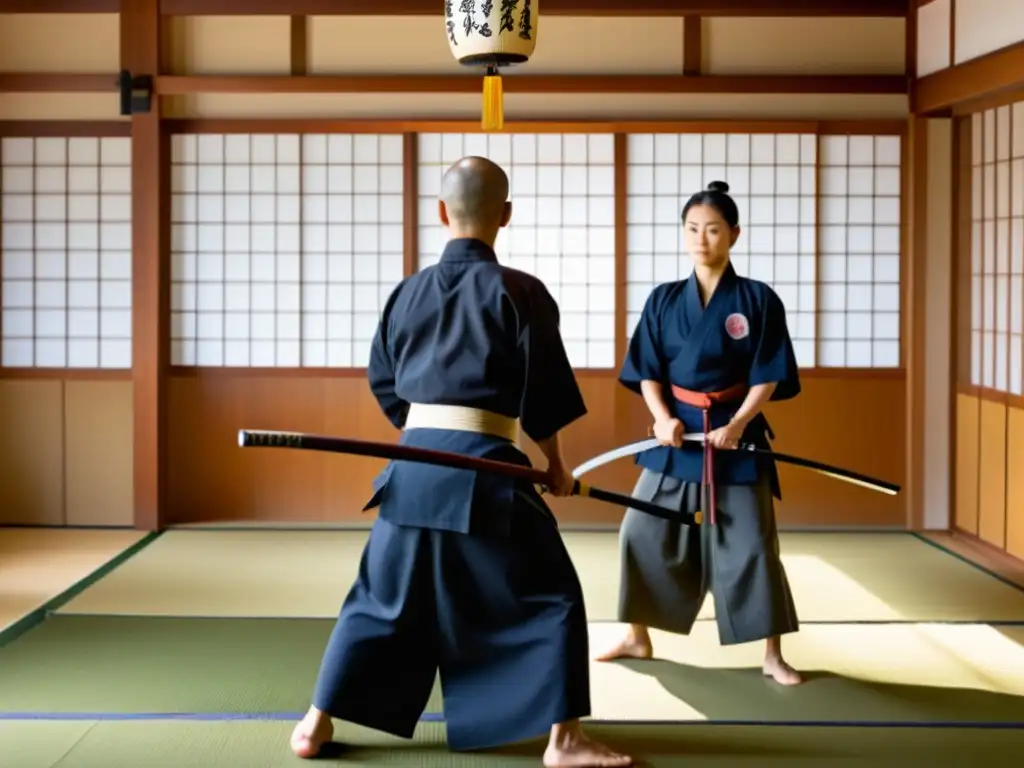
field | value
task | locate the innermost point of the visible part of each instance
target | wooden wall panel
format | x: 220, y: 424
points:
x: 992, y: 473
x: 98, y: 430
x: 59, y: 106
x: 571, y: 45
x: 856, y: 423
x: 984, y: 26
x: 210, y: 478
x: 735, y: 46
x: 839, y: 420
x: 227, y: 45
x: 65, y: 452
x: 967, y: 437
x: 31, y: 452
x: 67, y: 43
x: 934, y: 39
x: 989, y: 375
x: 1015, y: 481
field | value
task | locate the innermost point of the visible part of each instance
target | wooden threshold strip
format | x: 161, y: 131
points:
x: 174, y: 85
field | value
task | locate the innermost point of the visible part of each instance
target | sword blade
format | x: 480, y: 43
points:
x: 622, y: 452
x: 837, y: 473
x: 630, y: 449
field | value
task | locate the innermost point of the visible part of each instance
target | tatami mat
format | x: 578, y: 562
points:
x: 860, y: 673
x: 847, y: 577
x: 265, y: 745
x: 856, y: 673
x: 38, y: 564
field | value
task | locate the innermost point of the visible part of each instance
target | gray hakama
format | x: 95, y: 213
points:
x: 668, y: 568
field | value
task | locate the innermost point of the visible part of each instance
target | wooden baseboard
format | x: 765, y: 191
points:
x: 983, y: 554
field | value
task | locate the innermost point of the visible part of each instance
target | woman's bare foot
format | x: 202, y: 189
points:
x: 569, y: 747
x: 312, y: 732
x: 635, y: 645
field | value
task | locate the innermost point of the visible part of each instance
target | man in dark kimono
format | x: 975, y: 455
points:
x: 708, y: 353
x: 467, y: 572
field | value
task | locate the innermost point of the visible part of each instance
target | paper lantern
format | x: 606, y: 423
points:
x: 491, y: 34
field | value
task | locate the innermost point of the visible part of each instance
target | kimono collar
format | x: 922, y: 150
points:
x: 467, y: 249
x: 725, y: 284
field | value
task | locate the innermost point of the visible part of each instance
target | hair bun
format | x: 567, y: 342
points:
x: 718, y: 186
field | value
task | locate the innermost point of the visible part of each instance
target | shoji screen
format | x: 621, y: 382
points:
x: 352, y: 242
x: 1016, y: 361
x: 67, y: 248
x: 284, y: 247
x: 772, y: 179
x: 562, y: 228
x: 997, y: 248
x: 859, y: 252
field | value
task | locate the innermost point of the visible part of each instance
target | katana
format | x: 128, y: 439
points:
x: 255, y: 438
x: 846, y: 475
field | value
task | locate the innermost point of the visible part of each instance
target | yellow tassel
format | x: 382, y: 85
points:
x: 494, y: 114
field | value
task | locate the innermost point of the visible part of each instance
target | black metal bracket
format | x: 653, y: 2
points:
x: 136, y: 92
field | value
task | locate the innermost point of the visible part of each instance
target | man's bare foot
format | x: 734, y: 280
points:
x: 635, y: 645
x: 781, y: 672
x: 569, y: 747
x: 312, y: 732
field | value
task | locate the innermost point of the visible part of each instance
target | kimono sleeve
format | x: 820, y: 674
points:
x: 380, y: 370
x: 644, y: 360
x: 774, y: 358
x: 551, y: 397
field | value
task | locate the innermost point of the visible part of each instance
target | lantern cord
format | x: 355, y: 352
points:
x: 493, y: 108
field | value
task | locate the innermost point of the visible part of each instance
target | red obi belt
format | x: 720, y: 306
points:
x: 705, y: 401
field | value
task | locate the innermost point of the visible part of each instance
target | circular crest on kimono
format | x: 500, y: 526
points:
x: 737, y: 326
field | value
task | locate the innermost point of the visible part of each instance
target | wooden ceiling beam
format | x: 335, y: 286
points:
x: 55, y: 82
x: 179, y: 85
x: 173, y: 85
x: 709, y: 8
x: 993, y: 73
x: 60, y: 6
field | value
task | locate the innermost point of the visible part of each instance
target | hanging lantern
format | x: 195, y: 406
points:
x: 491, y: 34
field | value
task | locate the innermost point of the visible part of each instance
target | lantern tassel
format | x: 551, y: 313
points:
x: 493, y: 108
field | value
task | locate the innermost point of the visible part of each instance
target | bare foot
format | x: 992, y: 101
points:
x: 635, y: 645
x: 781, y: 672
x: 312, y: 732
x: 572, y: 749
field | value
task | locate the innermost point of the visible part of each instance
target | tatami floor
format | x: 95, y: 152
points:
x: 200, y: 647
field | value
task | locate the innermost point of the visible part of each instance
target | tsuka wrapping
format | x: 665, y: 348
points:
x: 271, y: 439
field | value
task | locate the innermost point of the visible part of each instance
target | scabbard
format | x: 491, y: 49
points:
x: 249, y: 438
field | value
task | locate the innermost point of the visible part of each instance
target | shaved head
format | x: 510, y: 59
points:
x: 474, y: 194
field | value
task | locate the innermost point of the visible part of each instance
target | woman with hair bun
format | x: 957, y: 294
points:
x: 709, y: 351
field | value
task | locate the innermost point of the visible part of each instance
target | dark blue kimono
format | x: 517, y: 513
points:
x: 739, y: 340
x: 741, y: 337
x: 465, y: 572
